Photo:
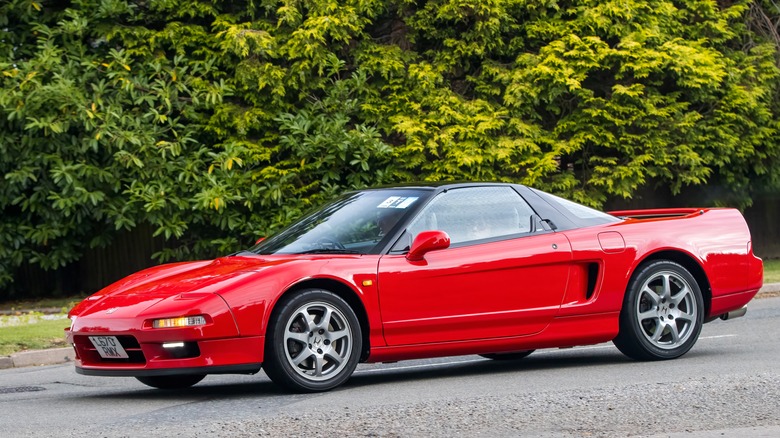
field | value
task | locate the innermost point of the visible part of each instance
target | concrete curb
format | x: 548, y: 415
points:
x: 771, y: 288
x: 61, y: 355
x: 37, y: 357
x: 6, y: 362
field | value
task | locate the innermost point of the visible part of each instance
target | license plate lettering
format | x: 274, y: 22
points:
x: 108, y: 347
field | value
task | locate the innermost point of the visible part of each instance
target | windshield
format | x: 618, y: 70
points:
x: 356, y: 223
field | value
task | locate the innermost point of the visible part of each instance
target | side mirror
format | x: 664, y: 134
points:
x: 425, y: 242
x: 259, y: 240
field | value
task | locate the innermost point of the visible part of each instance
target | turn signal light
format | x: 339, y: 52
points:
x: 184, y: 321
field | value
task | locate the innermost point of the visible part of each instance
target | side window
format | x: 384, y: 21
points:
x: 475, y: 213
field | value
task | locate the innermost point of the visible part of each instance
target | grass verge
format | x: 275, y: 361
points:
x: 23, y: 325
x: 60, y: 304
x: 35, y: 334
x: 771, y: 271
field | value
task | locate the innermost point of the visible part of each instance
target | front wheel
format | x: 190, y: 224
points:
x: 171, y: 382
x: 314, y: 342
x: 663, y: 312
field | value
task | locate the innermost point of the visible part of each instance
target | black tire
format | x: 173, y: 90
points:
x: 662, y: 314
x: 517, y: 355
x: 304, y: 352
x: 179, y: 381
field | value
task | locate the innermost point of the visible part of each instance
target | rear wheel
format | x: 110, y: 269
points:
x: 180, y: 381
x: 517, y: 355
x: 663, y: 312
x: 314, y: 342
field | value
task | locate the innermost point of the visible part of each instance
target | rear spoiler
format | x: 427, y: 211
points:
x: 658, y: 212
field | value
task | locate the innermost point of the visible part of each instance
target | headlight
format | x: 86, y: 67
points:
x: 184, y: 321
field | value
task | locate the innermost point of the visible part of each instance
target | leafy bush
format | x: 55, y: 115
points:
x: 215, y: 122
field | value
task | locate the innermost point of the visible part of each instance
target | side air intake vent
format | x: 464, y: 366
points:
x: 593, y: 275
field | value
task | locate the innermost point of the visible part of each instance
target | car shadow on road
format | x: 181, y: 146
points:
x: 262, y: 387
x: 379, y: 374
x: 475, y: 366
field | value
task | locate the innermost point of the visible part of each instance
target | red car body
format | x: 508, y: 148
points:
x: 560, y: 288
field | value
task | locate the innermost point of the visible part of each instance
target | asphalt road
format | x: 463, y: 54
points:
x: 728, y: 384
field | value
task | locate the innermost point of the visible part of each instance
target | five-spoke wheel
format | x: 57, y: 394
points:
x: 662, y: 312
x: 315, y: 342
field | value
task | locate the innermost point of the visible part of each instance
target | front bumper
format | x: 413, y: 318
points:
x: 212, y: 346
x: 217, y: 356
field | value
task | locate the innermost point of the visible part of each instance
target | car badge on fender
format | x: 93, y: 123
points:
x: 111, y: 310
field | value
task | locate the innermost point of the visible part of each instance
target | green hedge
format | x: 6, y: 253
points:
x: 216, y: 122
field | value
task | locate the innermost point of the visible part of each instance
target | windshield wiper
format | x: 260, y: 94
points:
x: 330, y: 251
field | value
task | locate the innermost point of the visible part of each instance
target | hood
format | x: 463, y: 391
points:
x: 143, y: 289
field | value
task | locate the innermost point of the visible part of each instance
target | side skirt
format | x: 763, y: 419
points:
x: 562, y: 332
x: 227, y: 369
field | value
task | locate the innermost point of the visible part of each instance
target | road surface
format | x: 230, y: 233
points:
x: 728, y: 383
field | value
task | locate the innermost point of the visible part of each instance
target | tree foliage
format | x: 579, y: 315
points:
x: 219, y: 121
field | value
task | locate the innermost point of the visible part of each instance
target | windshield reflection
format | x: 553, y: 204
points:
x: 356, y: 223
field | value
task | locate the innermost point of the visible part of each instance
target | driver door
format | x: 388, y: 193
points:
x: 500, y: 277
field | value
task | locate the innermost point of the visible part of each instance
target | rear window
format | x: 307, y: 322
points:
x: 579, y: 213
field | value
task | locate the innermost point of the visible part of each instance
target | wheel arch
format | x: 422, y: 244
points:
x: 688, y: 262
x: 344, y: 292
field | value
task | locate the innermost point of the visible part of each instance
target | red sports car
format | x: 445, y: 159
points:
x: 422, y: 271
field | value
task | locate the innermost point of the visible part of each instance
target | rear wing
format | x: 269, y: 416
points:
x: 658, y: 212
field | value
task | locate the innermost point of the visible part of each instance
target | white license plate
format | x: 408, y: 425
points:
x: 108, y: 347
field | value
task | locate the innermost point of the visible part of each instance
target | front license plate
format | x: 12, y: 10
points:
x: 108, y: 347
